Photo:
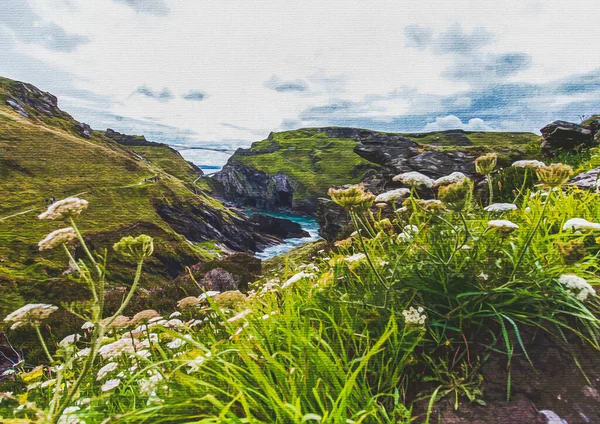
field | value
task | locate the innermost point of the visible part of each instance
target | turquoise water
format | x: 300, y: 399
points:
x: 306, y: 222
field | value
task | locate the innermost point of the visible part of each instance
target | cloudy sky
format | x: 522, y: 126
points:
x: 228, y: 72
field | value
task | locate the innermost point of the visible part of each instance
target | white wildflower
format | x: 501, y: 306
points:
x: 414, y: 316
x: 580, y: 224
x: 174, y: 323
x: 414, y: 178
x: 500, y: 207
x: 355, y: 258
x: 144, y: 353
x: 87, y: 325
x: 149, y: 386
x: 33, y: 313
x: 68, y: 416
x: 449, y: 179
x: 577, y: 286
x: 392, y: 195
x: 409, y: 232
x: 297, y: 277
x: 117, y: 348
x: 175, y: 315
x: 57, y: 237
x: 528, y: 164
x: 106, y: 369
x: 83, y: 353
x: 65, y: 207
x: 175, y: 344
x: 155, y: 319
x: 110, y: 384
x: 210, y: 293
x: 69, y: 340
x: 240, y: 316
x: 502, y: 224
x: 48, y: 383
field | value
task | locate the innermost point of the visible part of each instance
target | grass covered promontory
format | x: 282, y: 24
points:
x: 315, y: 159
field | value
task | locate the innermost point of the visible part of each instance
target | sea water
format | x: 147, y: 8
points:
x: 307, y: 223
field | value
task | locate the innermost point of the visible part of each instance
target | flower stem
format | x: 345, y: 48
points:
x: 44, y: 346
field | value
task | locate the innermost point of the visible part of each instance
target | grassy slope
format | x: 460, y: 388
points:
x: 41, y: 159
x: 169, y: 160
x: 312, y: 159
x: 318, y: 162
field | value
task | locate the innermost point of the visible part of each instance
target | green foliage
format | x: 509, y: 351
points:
x: 409, y: 308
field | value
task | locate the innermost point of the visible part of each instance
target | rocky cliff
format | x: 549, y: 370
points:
x: 293, y: 169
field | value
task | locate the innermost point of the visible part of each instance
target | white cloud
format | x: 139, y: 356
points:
x: 264, y: 65
x: 451, y: 122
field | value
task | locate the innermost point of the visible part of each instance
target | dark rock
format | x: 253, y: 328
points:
x: 44, y: 103
x: 83, y: 130
x: 564, y: 136
x: 333, y: 220
x: 253, y: 188
x: 220, y: 280
x: 437, y: 164
x: 279, y: 227
x: 17, y: 107
x: 587, y: 180
x: 198, y: 223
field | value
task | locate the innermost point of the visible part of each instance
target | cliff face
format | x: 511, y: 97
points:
x: 293, y: 169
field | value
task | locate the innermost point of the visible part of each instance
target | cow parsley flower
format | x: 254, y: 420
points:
x: 175, y: 344
x: 110, y: 384
x: 31, y: 314
x: 70, y: 206
x: 87, y: 325
x: 449, y: 179
x: 69, y: 340
x: 580, y: 224
x: 528, y: 164
x: 503, y: 226
x: 577, y: 286
x: 500, y: 207
x: 297, y: 277
x: 392, y: 195
x: 414, y: 316
x: 355, y: 258
x: 57, y: 237
x: 240, y: 316
x: 106, y: 369
x: 414, y: 178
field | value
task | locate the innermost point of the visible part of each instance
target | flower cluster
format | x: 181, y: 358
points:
x: 297, y: 277
x: 486, y: 164
x: 500, y: 207
x: 31, y: 314
x: 449, y: 179
x: 392, y: 195
x: 70, y: 206
x: 457, y: 195
x: 57, y: 237
x: 580, y: 224
x: 577, y: 286
x: 353, y: 198
x: 554, y: 175
x: 414, y: 179
x: 504, y: 226
x: 414, y: 316
x: 528, y: 164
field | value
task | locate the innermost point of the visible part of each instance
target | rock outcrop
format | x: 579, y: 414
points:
x: 130, y: 140
x: 333, y: 220
x: 564, y: 136
x: 588, y: 180
x: 278, y: 227
x: 256, y: 189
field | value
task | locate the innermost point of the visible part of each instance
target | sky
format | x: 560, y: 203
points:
x: 228, y: 72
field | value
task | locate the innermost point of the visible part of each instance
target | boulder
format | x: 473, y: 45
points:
x: 17, y: 107
x: 587, y: 180
x: 279, y: 227
x: 333, y: 220
x: 564, y: 136
x: 83, y: 130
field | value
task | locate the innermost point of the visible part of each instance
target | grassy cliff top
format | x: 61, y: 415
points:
x: 317, y: 158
